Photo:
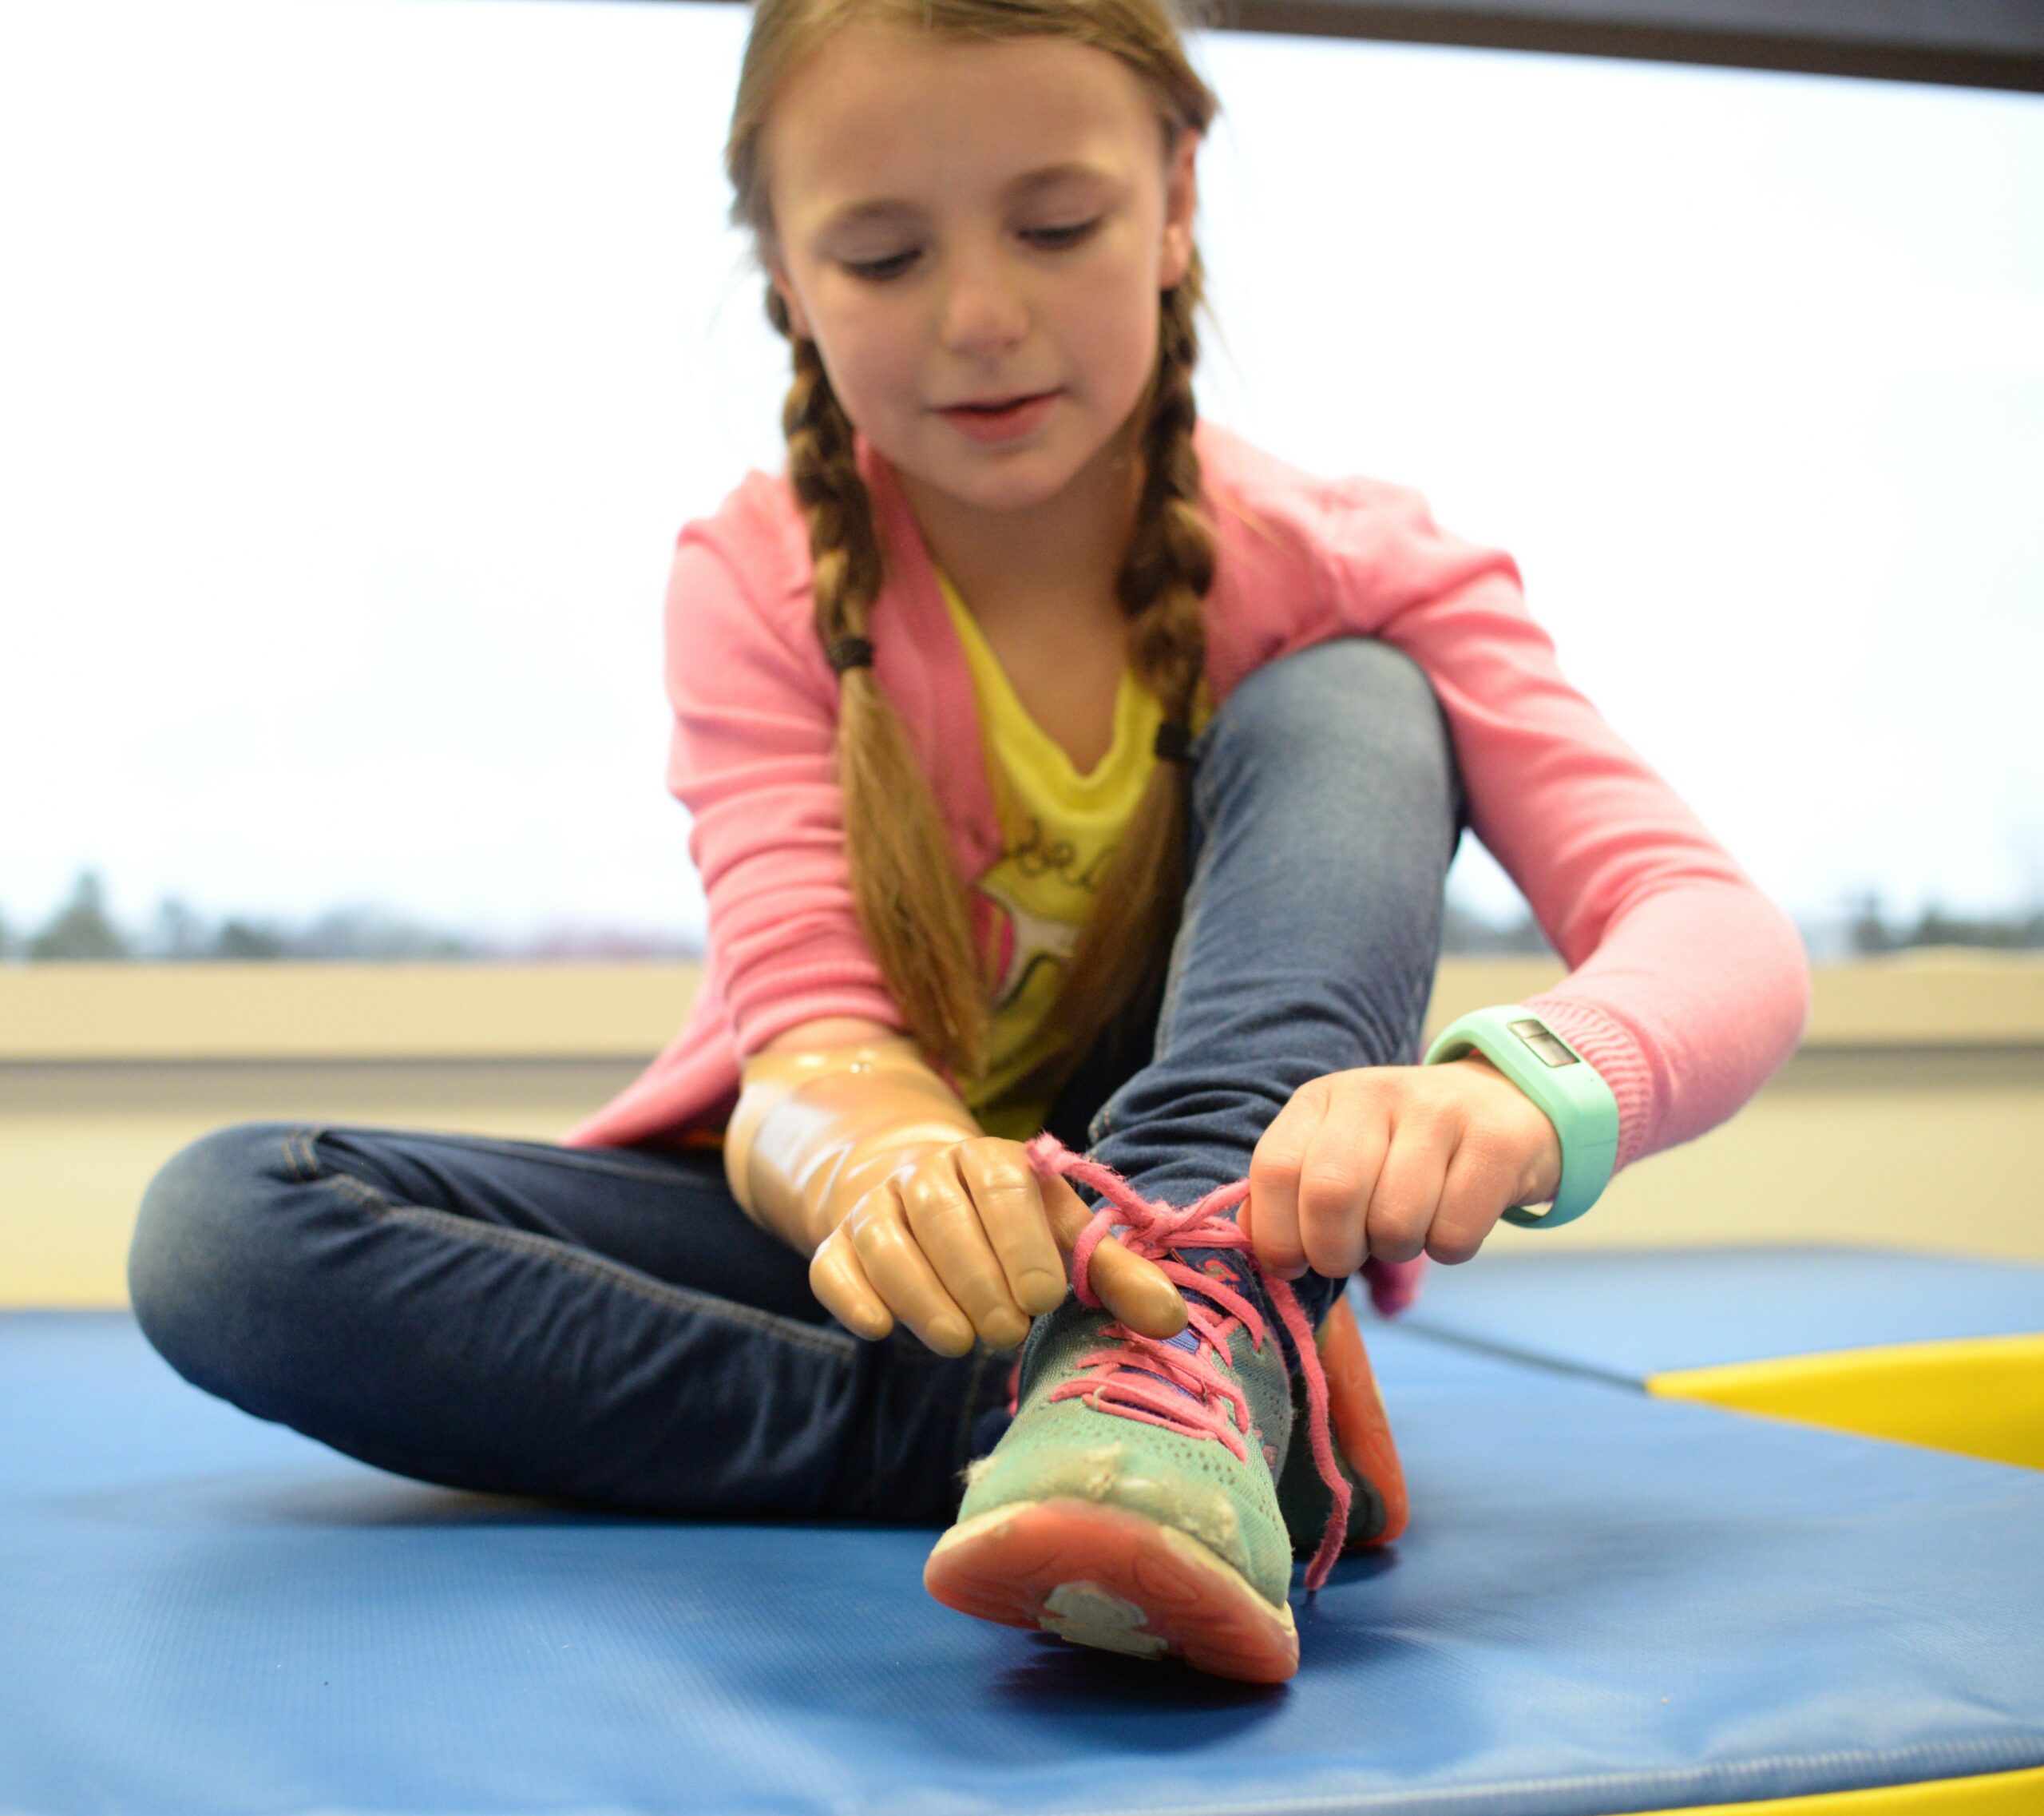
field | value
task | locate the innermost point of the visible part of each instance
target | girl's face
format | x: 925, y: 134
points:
x: 966, y: 223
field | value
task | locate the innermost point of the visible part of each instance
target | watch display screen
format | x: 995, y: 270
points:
x: 1548, y: 1046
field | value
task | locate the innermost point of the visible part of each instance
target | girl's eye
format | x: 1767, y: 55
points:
x: 1064, y: 236
x: 881, y: 269
x: 1055, y: 238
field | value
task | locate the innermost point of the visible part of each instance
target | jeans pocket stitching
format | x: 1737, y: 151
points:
x: 301, y: 1156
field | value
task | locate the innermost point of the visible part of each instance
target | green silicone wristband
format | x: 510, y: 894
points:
x: 1569, y: 1091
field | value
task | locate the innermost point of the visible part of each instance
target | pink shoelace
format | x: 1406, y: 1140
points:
x: 1148, y: 1379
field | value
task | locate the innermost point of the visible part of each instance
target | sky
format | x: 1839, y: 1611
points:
x: 360, y: 359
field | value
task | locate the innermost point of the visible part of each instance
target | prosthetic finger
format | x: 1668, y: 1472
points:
x: 1010, y: 1203
x: 945, y: 1221
x: 839, y: 1282
x: 1138, y: 1292
x: 902, y: 1274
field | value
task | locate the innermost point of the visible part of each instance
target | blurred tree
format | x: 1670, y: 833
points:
x: 243, y: 939
x: 1871, y: 932
x: 81, y: 929
x: 364, y: 931
x: 177, y: 932
x: 1868, y: 928
x: 1934, y: 927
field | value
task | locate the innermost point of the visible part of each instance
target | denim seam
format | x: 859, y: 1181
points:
x: 1175, y: 988
x: 643, y: 1285
x: 1200, y: 810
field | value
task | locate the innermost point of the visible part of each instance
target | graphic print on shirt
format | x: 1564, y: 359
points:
x: 1016, y: 939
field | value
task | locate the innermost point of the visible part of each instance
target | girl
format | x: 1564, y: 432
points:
x: 1073, y: 786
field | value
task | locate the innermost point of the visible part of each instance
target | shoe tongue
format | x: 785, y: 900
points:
x: 1223, y: 1264
x: 1187, y: 1340
x: 1209, y: 1261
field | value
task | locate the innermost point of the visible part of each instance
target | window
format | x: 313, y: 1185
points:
x: 362, y: 357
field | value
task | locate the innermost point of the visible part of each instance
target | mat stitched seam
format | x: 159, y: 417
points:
x: 644, y: 1286
x: 1508, y: 1352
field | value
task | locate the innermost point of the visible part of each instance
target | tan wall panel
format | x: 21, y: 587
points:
x: 78, y: 1146
x: 1910, y: 1119
x: 1900, y: 1149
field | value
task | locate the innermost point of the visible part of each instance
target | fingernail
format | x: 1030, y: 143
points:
x: 1041, y: 1291
x: 951, y: 1334
x: 1005, y: 1329
x: 1158, y: 1308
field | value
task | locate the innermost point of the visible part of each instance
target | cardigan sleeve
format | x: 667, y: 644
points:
x: 752, y: 759
x: 1686, y: 987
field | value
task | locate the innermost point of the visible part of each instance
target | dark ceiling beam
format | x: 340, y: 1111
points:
x: 1988, y: 43
x: 1995, y: 44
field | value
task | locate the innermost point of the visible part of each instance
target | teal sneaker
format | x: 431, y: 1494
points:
x: 1132, y: 1503
x: 1364, y: 1450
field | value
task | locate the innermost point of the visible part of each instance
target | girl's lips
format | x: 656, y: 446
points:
x: 1005, y: 424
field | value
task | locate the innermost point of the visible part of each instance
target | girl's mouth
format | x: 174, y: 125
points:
x: 1004, y: 422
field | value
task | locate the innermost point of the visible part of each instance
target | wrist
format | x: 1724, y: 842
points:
x: 812, y: 1132
x: 1568, y: 1089
x: 1540, y: 1176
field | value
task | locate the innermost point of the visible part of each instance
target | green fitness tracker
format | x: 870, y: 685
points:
x: 1569, y: 1091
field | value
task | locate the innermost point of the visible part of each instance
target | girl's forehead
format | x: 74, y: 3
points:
x: 877, y: 113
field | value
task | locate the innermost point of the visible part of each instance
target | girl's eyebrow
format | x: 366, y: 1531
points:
x: 890, y: 208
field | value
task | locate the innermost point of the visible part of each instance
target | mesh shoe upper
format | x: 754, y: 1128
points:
x: 1193, y: 1430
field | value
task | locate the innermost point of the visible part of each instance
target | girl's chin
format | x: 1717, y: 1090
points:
x: 1021, y: 483
x: 996, y: 477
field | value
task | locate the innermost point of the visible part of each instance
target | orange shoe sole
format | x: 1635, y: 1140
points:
x: 1104, y: 1576
x: 1361, y: 1430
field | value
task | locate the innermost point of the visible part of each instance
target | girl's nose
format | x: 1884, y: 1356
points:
x: 985, y: 308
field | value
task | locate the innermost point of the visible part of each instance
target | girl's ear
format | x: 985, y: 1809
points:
x: 797, y: 318
x: 1181, y: 203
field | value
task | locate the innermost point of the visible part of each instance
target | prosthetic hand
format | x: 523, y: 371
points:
x: 813, y: 1132
x: 862, y: 1158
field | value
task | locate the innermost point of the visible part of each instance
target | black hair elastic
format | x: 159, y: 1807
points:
x: 1174, y: 742
x: 849, y: 652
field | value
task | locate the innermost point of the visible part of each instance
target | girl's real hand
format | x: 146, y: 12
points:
x: 964, y: 1242
x: 1390, y: 1160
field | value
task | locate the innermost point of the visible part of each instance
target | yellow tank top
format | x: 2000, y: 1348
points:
x: 1058, y: 828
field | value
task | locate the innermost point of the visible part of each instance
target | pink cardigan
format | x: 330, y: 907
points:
x: 1686, y: 988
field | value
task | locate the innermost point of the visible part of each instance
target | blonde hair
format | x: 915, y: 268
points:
x: 911, y: 902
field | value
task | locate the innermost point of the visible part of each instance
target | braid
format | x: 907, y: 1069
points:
x: 1122, y: 953
x: 911, y: 903
x: 1169, y: 569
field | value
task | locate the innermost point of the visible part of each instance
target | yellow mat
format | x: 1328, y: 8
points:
x: 1997, y: 1794
x: 1979, y: 1396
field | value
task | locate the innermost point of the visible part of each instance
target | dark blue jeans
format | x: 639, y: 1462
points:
x: 605, y: 1326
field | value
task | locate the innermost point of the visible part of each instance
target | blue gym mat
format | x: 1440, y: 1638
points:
x: 1605, y: 1602
x: 1627, y: 1314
